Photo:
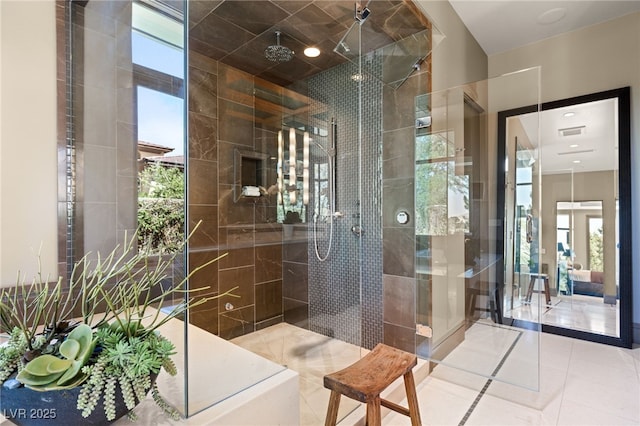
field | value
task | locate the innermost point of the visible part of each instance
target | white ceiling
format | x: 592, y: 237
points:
x: 594, y: 149
x: 503, y: 25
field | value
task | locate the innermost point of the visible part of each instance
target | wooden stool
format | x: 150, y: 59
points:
x: 547, y: 293
x: 494, y: 305
x: 367, y: 377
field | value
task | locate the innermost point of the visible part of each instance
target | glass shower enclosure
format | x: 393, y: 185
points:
x: 293, y: 169
x: 161, y: 125
x: 462, y: 241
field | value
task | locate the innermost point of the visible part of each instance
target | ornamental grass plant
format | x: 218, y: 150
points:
x: 100, y: 330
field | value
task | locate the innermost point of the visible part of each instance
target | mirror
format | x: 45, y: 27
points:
x: 573, y: 252
x: 581, y: 256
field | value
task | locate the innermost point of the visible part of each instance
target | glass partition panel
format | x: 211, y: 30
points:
x: 288, y: 147
x: 469, y: 257
x: 128, y: 163
x: 403, y: 50
x: 300, y: 210
x: 579, y: 275
x: 232, y: 149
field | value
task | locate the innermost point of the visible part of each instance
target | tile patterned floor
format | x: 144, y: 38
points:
x: 312, y: 356
x: 578, y: 312
x: 581, y: 383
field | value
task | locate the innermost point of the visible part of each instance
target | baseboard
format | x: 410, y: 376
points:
x: 636, y: 333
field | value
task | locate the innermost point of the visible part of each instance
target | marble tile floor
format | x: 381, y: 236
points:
x: 580, y: 383
x: 578, y: 312
x: 310, y: 354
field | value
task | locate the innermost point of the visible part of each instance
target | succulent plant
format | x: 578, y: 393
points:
x: 49, y: 372
x: 117, y: 302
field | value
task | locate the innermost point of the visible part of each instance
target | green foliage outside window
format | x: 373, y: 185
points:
x: 158, y: 181
x: 596, y: 250
x: 437, y: 185
x: 161, y: 208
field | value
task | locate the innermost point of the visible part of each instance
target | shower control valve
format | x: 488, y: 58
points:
x: 402, y: 217
x: 357, y: 230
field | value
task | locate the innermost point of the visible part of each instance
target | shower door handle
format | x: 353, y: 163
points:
x: 357, y: 230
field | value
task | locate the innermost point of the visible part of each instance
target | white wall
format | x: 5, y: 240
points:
x: 28, y: 159
x: 601, y: 57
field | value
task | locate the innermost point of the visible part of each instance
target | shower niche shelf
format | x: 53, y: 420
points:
x: 250, y: 172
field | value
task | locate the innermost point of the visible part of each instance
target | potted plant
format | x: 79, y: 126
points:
x: 94, y: 341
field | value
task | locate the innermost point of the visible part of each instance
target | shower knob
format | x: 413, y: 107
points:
x: 357, y: 230
x: 402, y: 217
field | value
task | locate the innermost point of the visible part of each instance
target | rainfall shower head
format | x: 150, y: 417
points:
x: 277, y: 52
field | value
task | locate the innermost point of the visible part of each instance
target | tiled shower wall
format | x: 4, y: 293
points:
x: 221, y: 124
x: 275, y: 280
x: 285, y: 281
x: 338, y: 306
x: 368, y: 292
x: 407, y: 297
x: 402, y: 291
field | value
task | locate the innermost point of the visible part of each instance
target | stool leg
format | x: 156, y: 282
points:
x: 530, y: 290
x: 472, y: 304
x: 374, y: 417
x: 332, y: 411
x: 412, y: 399
x: 546, y: 291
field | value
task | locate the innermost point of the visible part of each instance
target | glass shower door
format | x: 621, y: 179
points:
x: 340, y: 231
x: 468, y: 255
x: 525, y: 242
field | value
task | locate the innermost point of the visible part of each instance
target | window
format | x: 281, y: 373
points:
x: 157, y: 41
x: 157, y: 54
x: 596, y: 244
x: 442, y: 196
x: 160, y: 119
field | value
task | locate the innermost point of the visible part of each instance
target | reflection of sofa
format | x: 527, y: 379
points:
x: 588, y: 283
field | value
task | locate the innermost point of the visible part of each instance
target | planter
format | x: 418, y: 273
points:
x: 24, y: 406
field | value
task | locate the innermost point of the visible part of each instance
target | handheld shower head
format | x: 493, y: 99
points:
x: 277, y: 52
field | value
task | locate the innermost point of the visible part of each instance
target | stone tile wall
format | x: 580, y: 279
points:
x: 221, y: 126
x: 401, y: 289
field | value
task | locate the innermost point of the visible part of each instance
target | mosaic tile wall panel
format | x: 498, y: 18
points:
x: 339, y: 307
x: 372, y: 289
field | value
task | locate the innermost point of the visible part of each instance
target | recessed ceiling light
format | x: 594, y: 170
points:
x: 312, y: 52
x: 576, y: 161
x: 552, y: 16
x: 574, y: 145
x: 569, y: 114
